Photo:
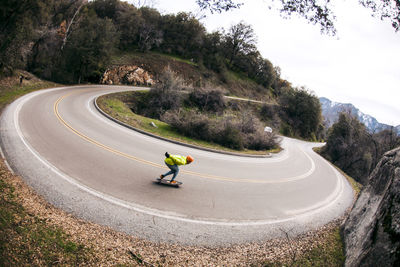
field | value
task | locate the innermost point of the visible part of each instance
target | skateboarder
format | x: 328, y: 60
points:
x: 172, y: 162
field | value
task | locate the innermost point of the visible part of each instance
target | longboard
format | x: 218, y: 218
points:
x: 167, y: 182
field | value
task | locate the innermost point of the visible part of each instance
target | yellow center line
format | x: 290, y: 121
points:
x: 117, y: 152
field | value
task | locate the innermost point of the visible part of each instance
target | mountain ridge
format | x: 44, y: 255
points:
x: 332, y: 109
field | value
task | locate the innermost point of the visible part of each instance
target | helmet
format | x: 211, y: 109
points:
x: 189, y: 159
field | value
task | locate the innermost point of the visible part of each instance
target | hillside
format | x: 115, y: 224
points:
x: 331, y: 111
x: 192, y: 74
x: 76, y: 41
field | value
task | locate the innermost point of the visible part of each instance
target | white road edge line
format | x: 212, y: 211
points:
x: 6, y: 162
x: 145, y: 210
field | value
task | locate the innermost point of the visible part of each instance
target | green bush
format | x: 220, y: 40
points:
x: 286, y: 130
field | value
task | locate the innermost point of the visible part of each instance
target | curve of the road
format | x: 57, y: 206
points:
x: 98, y: 170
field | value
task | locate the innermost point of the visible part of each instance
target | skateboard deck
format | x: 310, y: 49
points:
x: 167, y: 182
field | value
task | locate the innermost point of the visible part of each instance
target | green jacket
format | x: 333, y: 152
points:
x: 176, y: 159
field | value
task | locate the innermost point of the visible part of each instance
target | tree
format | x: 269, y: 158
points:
x: 89, y: 48
x: 217, y: 6
x: 106, y: 8
x: 240, y: 40
x: 355, y: 150
x: 29, y: 26
x: 19, y: 21
x: 212, y: 53
x: 265, y: 73
x: 387, y: 140
x: 143, y: 3
x: 317, y: 12
x: 183, y: 35
x: 150, y: 34
x: 302, y: 111
x: 127, y: 21
x: 348, y: 146
x: 385, y: 9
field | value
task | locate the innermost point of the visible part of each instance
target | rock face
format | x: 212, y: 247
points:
x: 372, y: 230
x: 131, y: 75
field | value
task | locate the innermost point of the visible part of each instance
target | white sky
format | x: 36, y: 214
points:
x: 361, y: 65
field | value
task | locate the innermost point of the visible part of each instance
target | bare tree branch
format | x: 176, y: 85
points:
x: 216, y: 6
x: 315, y: 11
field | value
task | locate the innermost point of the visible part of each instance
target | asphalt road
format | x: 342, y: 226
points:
x: 98, y: 170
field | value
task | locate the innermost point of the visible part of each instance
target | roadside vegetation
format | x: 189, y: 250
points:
x: 76, y: 41
x: 354, y: 150
x: 198, y: 115
x: 329, y: 253
x: 115, y: 105
x: 20, y: 84
x: 25, y: 238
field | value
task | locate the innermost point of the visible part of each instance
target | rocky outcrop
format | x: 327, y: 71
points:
x: 372, y: 230
x: 127, y: 74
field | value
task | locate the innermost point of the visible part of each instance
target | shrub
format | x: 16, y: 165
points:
x: 268, y: 111
x: 190, y: 123
x: 253, y: 134
x: 196, y: 125
x: 165, y: 95
x: 286, y: 130
x: 228, y: 134
x: 261, y: 140
x: 271, y: 114
x: 248, y: 124
x: 208, y: 99
x: 228, y: 131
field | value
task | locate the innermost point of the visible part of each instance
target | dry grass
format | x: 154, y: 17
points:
x: 11, y: 89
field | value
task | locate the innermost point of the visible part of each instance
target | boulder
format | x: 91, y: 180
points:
x: 372, y: 231
x: 127, y: 74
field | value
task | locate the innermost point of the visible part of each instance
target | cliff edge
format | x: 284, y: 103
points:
x: 372, y: 231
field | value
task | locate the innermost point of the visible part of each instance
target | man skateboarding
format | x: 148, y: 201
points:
x: 173, y: 162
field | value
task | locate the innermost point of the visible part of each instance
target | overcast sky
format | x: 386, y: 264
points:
x: 361, y: 65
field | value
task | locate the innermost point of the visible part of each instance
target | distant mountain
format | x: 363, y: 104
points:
x: 331, y: 111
